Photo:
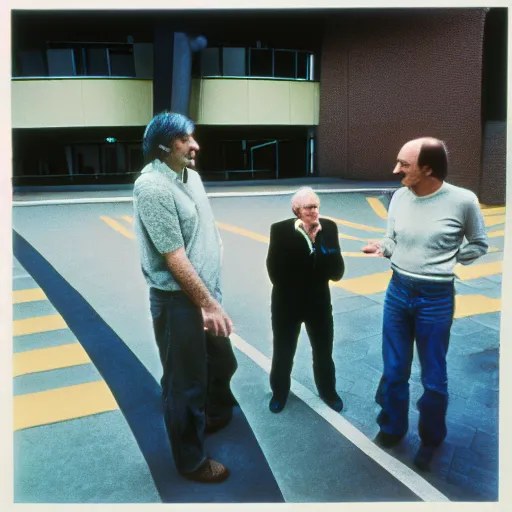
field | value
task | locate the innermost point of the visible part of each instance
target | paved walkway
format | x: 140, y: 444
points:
x: 466, y: 467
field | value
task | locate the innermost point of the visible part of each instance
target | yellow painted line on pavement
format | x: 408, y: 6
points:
x: 62, y: 404
x: 469, y: 305
x: 492, y: 210
x: 243, y: 232
x: 355, y: 225
x: 30, y: 295
x: 266, y: 239
x: 474, y: 271
x: 127, y: 218
x: 378, y: 207
x: 365, y: 285
x: 350, y: 237
x: 357, y: 255
x: 38, y: 324
x: 494, y: 221
x: 117, y: 226
x: 495, y: 234
x: 52, y: 358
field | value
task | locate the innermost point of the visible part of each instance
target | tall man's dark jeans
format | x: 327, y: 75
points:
x: 197, y: 370
x: 288, y: 314
x: 422, y: 310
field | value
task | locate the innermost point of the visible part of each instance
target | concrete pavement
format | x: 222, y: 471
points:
x: 466, y: 467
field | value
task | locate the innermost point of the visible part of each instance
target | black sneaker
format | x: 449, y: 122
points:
x: 335, y: 402
x: 388, y: 440
x: 424, y: 457
x: 276, y: 405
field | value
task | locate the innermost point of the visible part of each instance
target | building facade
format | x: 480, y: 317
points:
x: 274, y: 94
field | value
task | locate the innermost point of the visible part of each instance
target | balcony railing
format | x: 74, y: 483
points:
x: 85, y: 59
x: 278, y: 64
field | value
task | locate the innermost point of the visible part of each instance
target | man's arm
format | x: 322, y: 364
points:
x: 475, y: 233
x: 159, y: 216
x: 275, y: 259
x: 214, y: 316
x: 386, y: 246
x: 335, y: 263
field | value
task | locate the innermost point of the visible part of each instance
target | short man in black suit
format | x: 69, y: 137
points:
x: 304, y: 254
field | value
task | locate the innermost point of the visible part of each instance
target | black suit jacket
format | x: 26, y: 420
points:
x: 293, y: 269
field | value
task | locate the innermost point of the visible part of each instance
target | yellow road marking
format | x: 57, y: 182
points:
x: 117, y: 227
x: 495, y: 234
x: 365, y: 285
x: 356, y: 255
x: 243, y: 232
x: 62, y: 404
x: 38, y: 324
x: 266, y: 239
x: 478, y: 270
x: 492, y: 210
x: 31, y: 295
x: 355, y: 225
x: 469, y: 305
x: 51, y: 358
x: 350, y: 237
x: 127, y: 218
x: 378, y: 207
x: 494, y: 221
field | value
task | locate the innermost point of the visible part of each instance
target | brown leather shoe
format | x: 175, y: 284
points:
x: 209, y: 472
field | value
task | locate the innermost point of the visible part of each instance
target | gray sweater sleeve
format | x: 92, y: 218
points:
x: 158, y: 214
x: 475, y: 234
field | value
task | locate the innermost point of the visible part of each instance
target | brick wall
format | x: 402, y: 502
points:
x: 392, y: 76
x: 492, y: 185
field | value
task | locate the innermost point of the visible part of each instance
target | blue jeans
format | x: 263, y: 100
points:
x: 421, y: 310
x: 197, y: 370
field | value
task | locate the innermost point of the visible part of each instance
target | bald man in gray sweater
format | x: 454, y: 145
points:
x: 432, y: 226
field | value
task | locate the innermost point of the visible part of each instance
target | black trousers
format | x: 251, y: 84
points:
x: 197, y: 370
x: 288, y: 314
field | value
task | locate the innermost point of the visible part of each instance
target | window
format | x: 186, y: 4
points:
x: 260, y: 63
x: 284, y: 64
x: 121, y: 62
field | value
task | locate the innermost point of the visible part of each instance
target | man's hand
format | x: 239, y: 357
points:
x: 216, y: 320
x: 373, y: 249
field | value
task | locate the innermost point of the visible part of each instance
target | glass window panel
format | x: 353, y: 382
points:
x: 97, y: 64
x: 261, y: 62
x: 32, y: 63
x: 210, y: 62
x: 61, y: 62
x: 302, y: 65
x: 284, y: 64
x: 121, y: 62
x: 233, y: 62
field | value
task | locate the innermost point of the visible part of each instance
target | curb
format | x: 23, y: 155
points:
x: 129, y: 199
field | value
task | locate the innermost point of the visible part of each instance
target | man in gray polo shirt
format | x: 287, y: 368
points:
x: 181, y: 253
x: 432, y: 226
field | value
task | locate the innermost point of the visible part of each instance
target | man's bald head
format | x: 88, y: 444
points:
x: 431, y: 153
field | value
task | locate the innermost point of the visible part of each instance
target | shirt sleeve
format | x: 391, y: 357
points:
x: 388, y: 243
x: 158, y: 214
x: 475, y: 234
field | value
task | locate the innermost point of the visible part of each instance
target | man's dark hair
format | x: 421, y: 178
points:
x: 162, y: 130
x: 434, y: 155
